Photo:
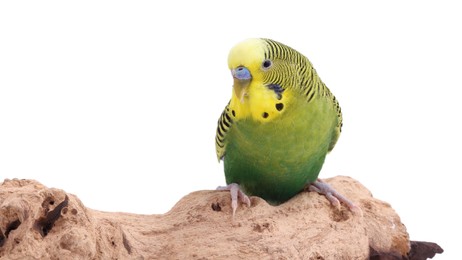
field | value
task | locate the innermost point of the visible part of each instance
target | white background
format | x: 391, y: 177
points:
x: 117, y: 101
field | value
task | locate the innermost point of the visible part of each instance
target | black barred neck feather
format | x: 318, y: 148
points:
x: 307, y: 82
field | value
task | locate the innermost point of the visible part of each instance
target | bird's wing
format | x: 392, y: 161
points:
x: 319, y: 90
x: 224, y: 124
x: 338, y: 128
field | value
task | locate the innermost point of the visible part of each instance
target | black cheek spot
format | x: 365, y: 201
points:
x: 265, y: 115
x: 234, y: 113
x: 279, y: 106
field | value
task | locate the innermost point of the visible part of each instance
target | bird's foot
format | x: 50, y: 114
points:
x: 333, y: 196
x: 236, y: 194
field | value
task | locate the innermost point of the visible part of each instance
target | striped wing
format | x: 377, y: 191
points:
x: 224, y: 123
x: 324, y: 92
x: 338, y: 129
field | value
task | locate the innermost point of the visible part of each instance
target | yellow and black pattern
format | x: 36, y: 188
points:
x: 309, y: 83
x: 288, y: 69
x: 224, y: 123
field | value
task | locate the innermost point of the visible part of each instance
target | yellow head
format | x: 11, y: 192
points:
x: 266, y: 74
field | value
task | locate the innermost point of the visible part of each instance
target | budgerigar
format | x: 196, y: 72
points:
x: 274, y: 134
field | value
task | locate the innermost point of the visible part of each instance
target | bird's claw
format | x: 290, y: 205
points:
x: 333, y: 196
x: 236, y: 194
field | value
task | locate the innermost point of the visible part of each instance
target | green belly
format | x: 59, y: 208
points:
x: 275, y: 160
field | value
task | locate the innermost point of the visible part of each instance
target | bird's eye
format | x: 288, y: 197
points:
x: 266, y: 64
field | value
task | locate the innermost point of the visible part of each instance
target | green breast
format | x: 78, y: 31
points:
x: 274, y: 160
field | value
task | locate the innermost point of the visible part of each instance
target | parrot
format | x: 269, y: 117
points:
x: 275, y: 132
